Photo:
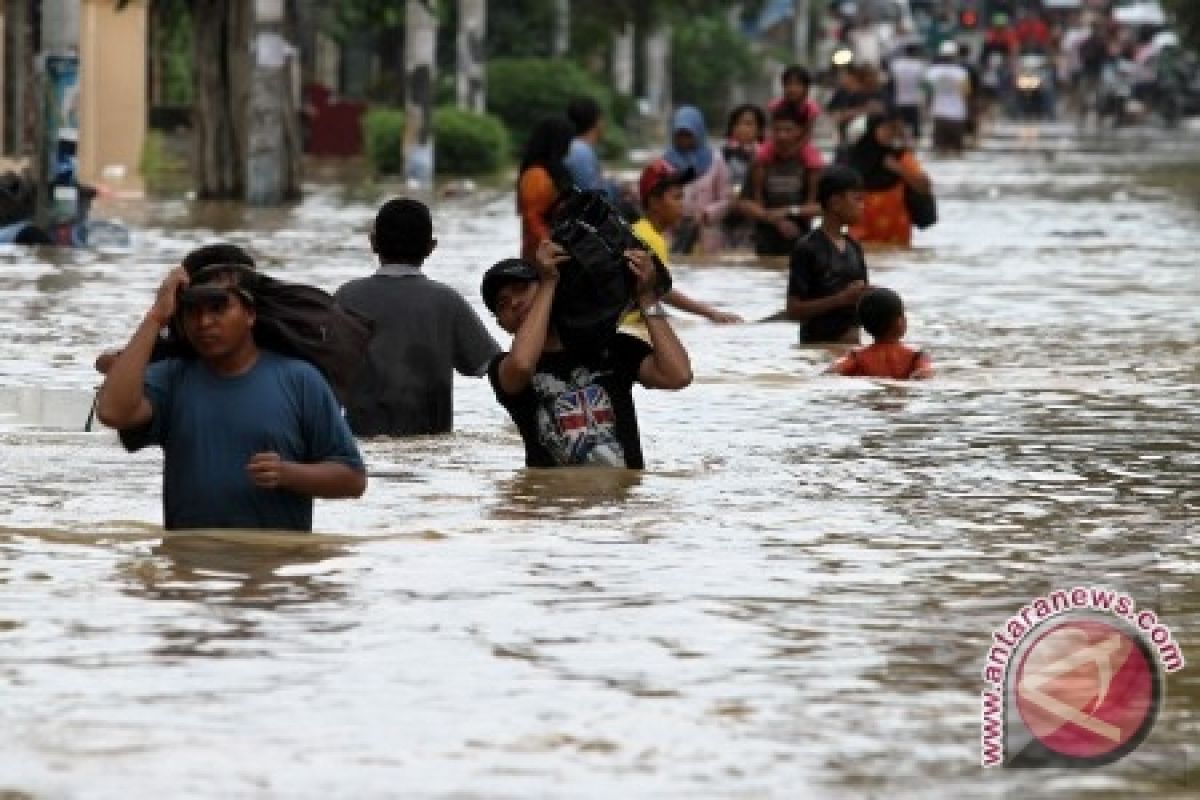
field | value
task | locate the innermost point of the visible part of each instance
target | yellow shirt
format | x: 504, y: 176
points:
x: 645, y: 230
x: 650, y: 236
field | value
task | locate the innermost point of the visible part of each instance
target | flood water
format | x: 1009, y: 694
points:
x: 794, y: 600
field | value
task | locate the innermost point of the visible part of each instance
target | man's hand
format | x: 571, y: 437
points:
x: 549, y: 256
x: 641, y: 264
x: 787, y: 229
x: 168, y: 296
x: 853, y: 291
x: 725, y: 318
x: 267, y: 470
x: 105, y: 360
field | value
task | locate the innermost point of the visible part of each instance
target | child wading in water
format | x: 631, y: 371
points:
x: 881, y: 313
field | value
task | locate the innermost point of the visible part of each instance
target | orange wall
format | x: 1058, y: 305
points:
x: 112, y: 75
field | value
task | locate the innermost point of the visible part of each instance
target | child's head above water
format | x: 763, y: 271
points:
x: 881, y: 313
x: 796, y: 81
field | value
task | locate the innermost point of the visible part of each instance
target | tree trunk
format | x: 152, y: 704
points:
x: 622, y: 59
x: 222, y: 68
x: 562, y: 27
x: 420, y: 50
x: 273, y: 146
x: 471, y: 81
x: 658, y: 75
x: 801, y: 19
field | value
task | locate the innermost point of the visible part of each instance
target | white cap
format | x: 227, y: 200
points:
x: 948, y: 48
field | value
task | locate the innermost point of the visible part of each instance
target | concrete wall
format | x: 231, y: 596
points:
x: 112, y: 76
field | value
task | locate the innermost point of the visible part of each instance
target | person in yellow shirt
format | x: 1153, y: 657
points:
x: 661, y: 190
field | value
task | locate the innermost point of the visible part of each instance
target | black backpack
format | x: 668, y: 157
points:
x: 596, y: 287
x: 307, y: 323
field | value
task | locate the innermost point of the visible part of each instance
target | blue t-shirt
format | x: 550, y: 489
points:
x: 209, y: 426
x: 584, y: 166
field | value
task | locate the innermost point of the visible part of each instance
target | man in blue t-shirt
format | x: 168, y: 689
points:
x: 249, y: 436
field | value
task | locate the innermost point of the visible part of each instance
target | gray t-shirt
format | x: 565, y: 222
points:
x: 424, y: 331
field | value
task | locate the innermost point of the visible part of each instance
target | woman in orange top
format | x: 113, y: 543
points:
x: 886, y: 169
x: 881, y: 313
x: 543, y: 178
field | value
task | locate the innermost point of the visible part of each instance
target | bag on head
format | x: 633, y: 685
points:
x: 596, y: 287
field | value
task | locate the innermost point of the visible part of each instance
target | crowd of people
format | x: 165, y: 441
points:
x: 251, y: 435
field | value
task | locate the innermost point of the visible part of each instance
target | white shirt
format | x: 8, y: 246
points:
x: 950, y: 85
x: 907, y: 74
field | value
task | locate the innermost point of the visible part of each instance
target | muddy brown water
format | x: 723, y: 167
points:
x: 794, y: 600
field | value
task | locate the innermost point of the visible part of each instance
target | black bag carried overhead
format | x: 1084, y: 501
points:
x: 596, y: 287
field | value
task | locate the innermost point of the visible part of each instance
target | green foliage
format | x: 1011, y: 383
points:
x: 175, y: 43
x: 383, y: 129
x: 614, y: 144
x: 708, y: 56
x: 522, y: 91
x: 161, y: 168
x: 467, y: 143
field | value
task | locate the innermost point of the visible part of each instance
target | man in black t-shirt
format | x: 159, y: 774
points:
x: 575, y: 407
x: 828, y: 271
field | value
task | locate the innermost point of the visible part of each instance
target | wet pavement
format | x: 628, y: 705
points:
x: 794, y: 600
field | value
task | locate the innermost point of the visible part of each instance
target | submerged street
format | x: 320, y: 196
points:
x: 795, y: 599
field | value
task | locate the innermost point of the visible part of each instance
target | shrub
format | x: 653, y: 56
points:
x: 708, y: 57
x: 522, y: 91
x: 466, y: 143
x: 384, y: 131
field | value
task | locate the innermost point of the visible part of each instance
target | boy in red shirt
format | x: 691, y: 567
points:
x: 881, y: 313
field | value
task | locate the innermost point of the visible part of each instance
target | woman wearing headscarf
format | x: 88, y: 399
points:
x: 542, y: 179
x: 707, y: 197
x: 888, y: 168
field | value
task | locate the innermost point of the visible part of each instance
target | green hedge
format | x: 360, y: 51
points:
x: 522, y: 91
x: 384, y: 132
x: 465, y: 143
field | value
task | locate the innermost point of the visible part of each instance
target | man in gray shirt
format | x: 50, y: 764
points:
x: 424, y: 330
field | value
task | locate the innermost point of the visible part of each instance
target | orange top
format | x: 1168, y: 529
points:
x: 885, y: 218
x: 536, y: 194
x: 885, y: 360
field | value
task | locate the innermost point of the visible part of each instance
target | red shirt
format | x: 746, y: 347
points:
x: 885, y: 360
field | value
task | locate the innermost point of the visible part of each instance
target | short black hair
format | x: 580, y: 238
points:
x: 796, y: 72
x: 878, y: 311
x: 403, y: 231
x: 837, y: 180
x: 760, y: 118
x: 584, y: 113
x: 217, y: 253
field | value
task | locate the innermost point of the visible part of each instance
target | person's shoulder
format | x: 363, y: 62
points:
x: 535, y: 177
x: 288, y: 366
x: 355, y: 286
x: 815, y: 242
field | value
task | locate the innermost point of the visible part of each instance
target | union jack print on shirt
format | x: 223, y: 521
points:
x: 584, y: 415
